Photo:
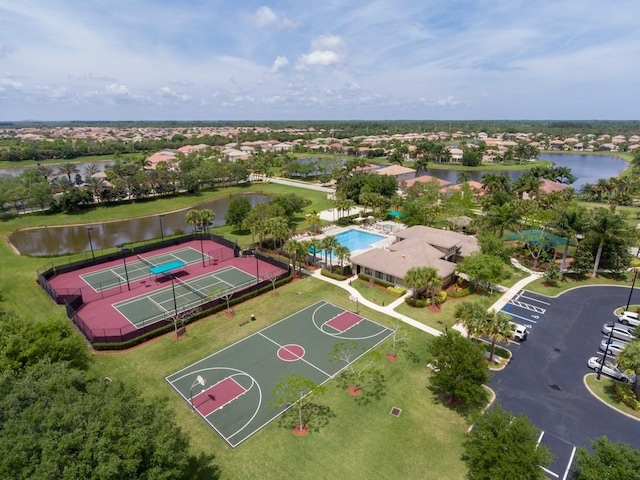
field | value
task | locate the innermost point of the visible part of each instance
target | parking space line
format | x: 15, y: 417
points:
x: 566, y: 472
x: 526, y: 306
x: 534, y: 299
x: 518, y: 316
x: 550, y: 472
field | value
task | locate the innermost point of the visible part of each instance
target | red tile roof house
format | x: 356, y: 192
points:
x: 417, y: 246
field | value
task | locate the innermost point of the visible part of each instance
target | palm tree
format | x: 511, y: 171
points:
x: 495, y: 182
x: 473, y: 316
x: 68, y: 169
x: 278, y: 228
x: 91, y: 169
x: 94, y: 186
x: 45, y: 171
x: 314, y: 220
x: 302, y: 253
x: 329, y: 243
x: 569, y: 224
x: 193, y: 218
x: 502, y: 217
x: 314, y: 247
x: 342, y: 253
x: 291, y: 248
x: 629, y: 359
x: 416, y: 278
x: 433, y: 283
x: 206, y: 218
x: 498, y: 328
x: 606, y: 226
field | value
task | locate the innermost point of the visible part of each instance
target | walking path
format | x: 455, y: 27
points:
x: 299, y: 184
x: 390, y: 309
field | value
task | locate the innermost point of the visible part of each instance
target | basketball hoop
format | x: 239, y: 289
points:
x: 352, y: 298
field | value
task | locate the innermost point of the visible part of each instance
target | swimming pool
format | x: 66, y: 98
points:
x: 357, y: 239
x: 353, y: 240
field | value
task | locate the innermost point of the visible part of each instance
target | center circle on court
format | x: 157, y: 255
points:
x: 291, y: 352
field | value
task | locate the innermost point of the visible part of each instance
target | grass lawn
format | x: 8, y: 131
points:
x: 568, y: 282
x: 360, y: 442
x: 60, y: 161
x: 374, y: 293
x: 603, y: 389
x: 445, y: 317
x: 515, y: 276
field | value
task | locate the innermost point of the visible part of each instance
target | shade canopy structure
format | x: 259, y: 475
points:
x: 539, y: 238
x: 395, y: 214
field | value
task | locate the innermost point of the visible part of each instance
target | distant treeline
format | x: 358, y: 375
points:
x: 356, y: 127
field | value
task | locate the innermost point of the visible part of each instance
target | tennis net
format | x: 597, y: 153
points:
x: 144, y: 260
x: 193, y: 289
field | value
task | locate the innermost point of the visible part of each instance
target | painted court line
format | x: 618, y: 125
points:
x: 217, y: 396
x: 305, y: 361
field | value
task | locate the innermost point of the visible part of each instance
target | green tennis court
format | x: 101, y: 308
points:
x: 239, y: 379
x: 137, y: 269
x: 180, y: 296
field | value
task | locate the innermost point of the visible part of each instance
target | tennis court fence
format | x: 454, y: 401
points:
x: 161, y: 323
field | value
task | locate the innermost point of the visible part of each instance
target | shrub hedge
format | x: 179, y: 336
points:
x: 336, y: 276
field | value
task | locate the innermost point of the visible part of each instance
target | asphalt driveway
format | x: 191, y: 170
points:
x: 545, y: 377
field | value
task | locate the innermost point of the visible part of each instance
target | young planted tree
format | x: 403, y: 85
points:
x: 502, y: 446
x: 363, y: 381
x: 299, y: 392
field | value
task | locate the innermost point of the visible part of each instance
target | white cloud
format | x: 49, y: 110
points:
x: 327, y: 50
x: 278, y: 63
x: 266, y: 17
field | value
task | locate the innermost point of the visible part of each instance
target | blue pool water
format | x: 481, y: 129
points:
x: 354, y: 240
x: 357, y: 239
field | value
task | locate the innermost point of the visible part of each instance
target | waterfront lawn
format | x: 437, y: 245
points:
x: 361, y: 442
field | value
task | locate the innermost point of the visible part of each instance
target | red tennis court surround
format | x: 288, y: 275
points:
x: 291, y: 352
x: 217, y: 396
x: 344, y: 321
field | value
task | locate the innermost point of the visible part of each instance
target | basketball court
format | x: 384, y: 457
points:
x: 231, y: 389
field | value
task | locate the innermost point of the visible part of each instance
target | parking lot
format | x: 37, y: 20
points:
x: 544, y: 379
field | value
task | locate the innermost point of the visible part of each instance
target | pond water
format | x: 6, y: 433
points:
x: 588, y: 168
x: 73, y: 239
x: 15, y: 171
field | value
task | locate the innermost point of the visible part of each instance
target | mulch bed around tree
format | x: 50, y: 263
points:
x: 301, y: 432
x: 354, y: 391
x: 229, y: 313
x: 392, y: 358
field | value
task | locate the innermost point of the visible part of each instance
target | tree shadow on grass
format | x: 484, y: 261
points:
x: 202, y: 468
x: 315, y: 416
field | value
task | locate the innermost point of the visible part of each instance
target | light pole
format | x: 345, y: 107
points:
x: 91, y: 243
x: 633, y: 284
x: 606, y: 350
x: 175, y: 304
x: 198, y: 381
x: 161, y: 229
x: 123, y: 248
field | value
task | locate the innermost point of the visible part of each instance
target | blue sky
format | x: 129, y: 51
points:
x: 330, y: 59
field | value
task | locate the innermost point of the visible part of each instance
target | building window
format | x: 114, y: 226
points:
x: 379, y: 275
x: 390, y: 278
x: 368, y: 271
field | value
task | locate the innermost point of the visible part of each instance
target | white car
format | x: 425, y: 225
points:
x: 615, y: 346
x: 519, y: 332
x: 610, y: 368
x: 621, y: 332
x: 629, y: 318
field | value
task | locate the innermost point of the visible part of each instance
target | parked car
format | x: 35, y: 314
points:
x: 629, y: 318
x: 519, y: 332
x: 621, y: 332
x: 615, y: 347
x: 610, y: 368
